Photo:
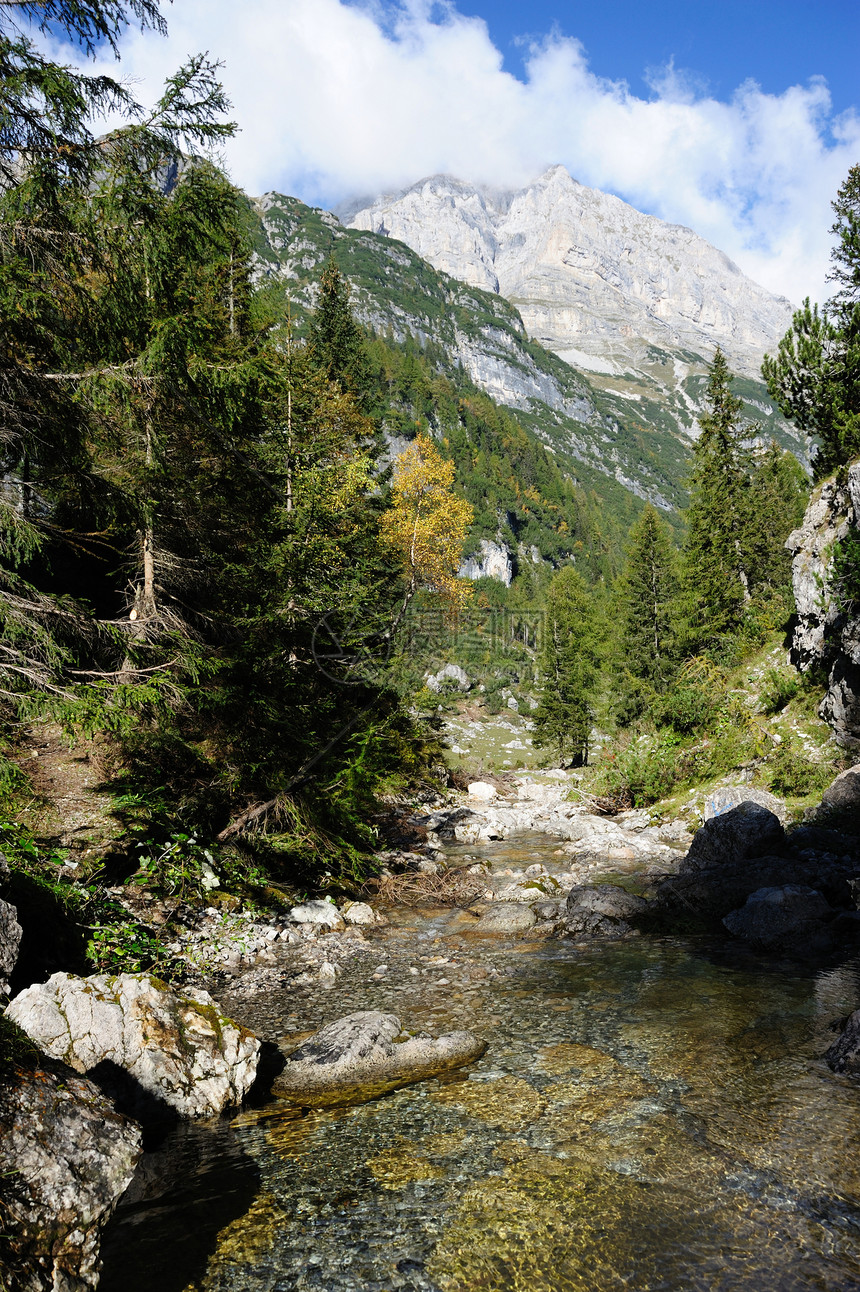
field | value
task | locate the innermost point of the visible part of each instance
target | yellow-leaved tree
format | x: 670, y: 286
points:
x: 427, y: 523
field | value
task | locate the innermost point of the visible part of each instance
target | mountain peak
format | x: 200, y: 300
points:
x: 595, y: 280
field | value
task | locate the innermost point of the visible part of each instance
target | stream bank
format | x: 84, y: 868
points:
x: 651, y: 1112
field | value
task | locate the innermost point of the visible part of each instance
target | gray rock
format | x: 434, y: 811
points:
x: 731, y: 796
x: 358, y: 1057
x: 844, y: 1054
x: 10, y: 942
x: 791, y: 918
x: 748, y: 830
x: 505, y: 917
x: 842, y: 797
x: 180, y: 1052
x: 66, y: 1157
x: 317, y: 912
x: 602, y: 910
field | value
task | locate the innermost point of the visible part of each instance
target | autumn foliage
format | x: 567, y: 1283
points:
x: 427, y: 523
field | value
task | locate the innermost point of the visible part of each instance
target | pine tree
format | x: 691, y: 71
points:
x: 716, y: 557
x: 336, y: 340
x: 568, y: 667
x: 646, y: 599
x: 815, y: 375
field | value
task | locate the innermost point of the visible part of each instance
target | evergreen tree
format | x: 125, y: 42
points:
x: 647, y: 609
x: 568, y: 667
x: 779, y: 491
x: 336, y: 340
x: 815, y: 376
x: 716, y: 557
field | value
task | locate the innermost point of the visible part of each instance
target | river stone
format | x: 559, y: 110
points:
x: 844, y: 1054
x: 482, y: 790
x: 181, y: 1053
x: 791, y: 918
x: 66, y: 1157
x: 358, y: 1057
x: 731, y: 796
x: 505, y: 917
x: 358, y: 913
x: 748, y: 830
x: 317, y: 912
x: 602, y: 910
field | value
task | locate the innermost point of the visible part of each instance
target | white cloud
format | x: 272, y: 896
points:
x: 338, y: 99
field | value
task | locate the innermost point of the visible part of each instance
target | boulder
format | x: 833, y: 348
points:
x: 841, y: 799
x: 731, y: 796
x: 482, y: 790
x: 792, y: 918
x: 359, y: 1057
x: 159, y: 1051
x: 318, y: 912
x: 66, y: 1157
x: 732, y: 837
x: 844, y: 1054
x: 505, y: 917
x: 602, y: 910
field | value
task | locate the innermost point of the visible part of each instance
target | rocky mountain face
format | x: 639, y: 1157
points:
x: 638, y: 304
x: 637, y: 441
x: 827, y: 632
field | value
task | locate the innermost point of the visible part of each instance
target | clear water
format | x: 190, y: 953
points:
x: 649, y: 1115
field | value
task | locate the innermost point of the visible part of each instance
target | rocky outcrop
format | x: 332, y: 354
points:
x: 10, y: 934
x: 66, y: 1157
x: 594, y: 279
x: 360, y: 1056
x: 491, y: 561
x: 826, y: 634
x: 159, y: 1051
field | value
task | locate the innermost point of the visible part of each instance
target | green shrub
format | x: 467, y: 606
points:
x: 793, y: 774
x: 779, y: 687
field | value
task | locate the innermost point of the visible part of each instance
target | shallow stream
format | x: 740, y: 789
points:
x: 649, y: 1115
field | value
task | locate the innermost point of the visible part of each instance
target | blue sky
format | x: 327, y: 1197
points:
x: 721, y: 44
x: 738, y: 120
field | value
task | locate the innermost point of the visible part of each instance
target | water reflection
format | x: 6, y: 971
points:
x: 649, y: 1116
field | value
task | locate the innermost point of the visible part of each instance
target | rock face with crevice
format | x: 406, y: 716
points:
x: 827, y: 632
x: 66, y: 1157
x: 176, y: 1051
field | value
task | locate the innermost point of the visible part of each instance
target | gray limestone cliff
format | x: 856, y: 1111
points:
x: 827, y: 630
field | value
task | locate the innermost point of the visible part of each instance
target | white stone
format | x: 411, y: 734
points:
x: 482, y: 790
x: 317, y: 912
x: 179, y: 1047
x: 358, y: 913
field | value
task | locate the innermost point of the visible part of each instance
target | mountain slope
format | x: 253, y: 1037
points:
x: 638, y: 303
x: 397, y: 294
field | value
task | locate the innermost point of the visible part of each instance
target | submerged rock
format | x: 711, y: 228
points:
x: 506, y: 917
x: 159, y: 1050
x: 66, y: 1157
x: 358, y: 1057
x: 602, y: 910
x: 791, y: 918
x: 844, y: 1054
